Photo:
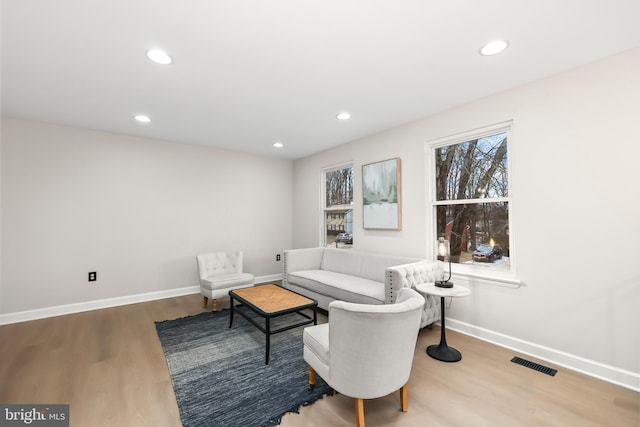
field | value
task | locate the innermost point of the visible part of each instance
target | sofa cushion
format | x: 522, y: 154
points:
x: 228, y: 280
x: 317, y: 339
x: 340, y: 286
x: 361, y: 264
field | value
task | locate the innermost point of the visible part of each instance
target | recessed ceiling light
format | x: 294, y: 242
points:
x: 494, y: 47
x: 278, y: 144
x: 142, y: 118
x: 343, y: 116
x: 159, y: 56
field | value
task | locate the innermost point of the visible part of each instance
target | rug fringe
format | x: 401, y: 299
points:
x: 276, y: 421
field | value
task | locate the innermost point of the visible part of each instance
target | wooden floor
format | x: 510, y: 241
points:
x: 109, y: 366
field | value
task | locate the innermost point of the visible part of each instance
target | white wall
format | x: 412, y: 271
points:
x: 135, y: 210
x: 576, y: 215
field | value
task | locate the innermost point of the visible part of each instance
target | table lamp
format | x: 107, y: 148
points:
x: 444, y: 250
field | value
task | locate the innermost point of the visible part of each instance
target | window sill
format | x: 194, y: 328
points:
x: 505, y: 280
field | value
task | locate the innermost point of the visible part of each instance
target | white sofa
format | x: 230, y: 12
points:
x: 329, y: 274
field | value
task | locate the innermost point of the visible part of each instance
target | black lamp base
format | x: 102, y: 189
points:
x: 443, y: 284
x: 444, y: 353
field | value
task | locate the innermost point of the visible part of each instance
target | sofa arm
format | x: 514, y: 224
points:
x: 408, y: 276
x: 301, y: 259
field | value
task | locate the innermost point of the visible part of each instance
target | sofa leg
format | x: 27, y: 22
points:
x: 312, y: 378
x: 404, y: 398
x: 214, y: 304
x: 205, y: 300
x: 359, y: 412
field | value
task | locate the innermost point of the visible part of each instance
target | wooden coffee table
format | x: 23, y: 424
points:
x: 269, y: 301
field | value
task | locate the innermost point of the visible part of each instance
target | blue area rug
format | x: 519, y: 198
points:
x: 219, y: 376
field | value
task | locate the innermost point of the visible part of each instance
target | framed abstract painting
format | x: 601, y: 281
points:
x: 381, y: 198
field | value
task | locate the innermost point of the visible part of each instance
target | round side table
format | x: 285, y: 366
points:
x: 442, y: 351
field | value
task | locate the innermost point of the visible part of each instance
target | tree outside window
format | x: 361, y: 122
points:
x: 338, y: 210
x: 472, y: 200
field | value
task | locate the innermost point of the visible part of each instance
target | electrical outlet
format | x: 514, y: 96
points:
x: 277, y: 257
x: 93, y: 276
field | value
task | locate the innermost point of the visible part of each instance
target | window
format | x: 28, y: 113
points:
x: 472, y: 198
x: 338, y: 206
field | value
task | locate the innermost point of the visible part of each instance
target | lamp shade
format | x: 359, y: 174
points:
x: 444, y: 251
x: 443, y: 247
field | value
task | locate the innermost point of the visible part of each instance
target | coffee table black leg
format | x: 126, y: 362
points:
x: 231, y: 311
x: 442, y: 351
x: 268, y: 325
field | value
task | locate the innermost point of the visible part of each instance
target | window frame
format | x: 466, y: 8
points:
x: 323, y: 200
x: 506, y: 277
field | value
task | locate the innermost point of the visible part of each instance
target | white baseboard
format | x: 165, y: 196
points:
x: 42, y: 313
x: 23, y: 316
x: 592, y: 368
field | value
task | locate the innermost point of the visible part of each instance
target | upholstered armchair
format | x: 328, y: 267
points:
x: 366, y: 351
x: 219, y: 273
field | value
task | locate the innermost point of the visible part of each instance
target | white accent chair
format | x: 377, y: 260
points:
x: 366, y: 351
x: 221, y: 272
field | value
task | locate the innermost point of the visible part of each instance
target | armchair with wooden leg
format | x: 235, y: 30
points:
x: 221, y: 272
x: 366, y: 351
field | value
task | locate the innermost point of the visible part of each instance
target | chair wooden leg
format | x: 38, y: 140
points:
x: 312, y: 378
x: 214, y: 304
x: 359, y: 412
x: 205, y: 300
x: 404, y: 398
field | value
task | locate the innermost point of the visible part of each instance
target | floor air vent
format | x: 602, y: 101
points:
x: 534, y: 366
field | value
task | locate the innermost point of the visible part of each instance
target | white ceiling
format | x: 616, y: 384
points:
x: 249, y: 72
